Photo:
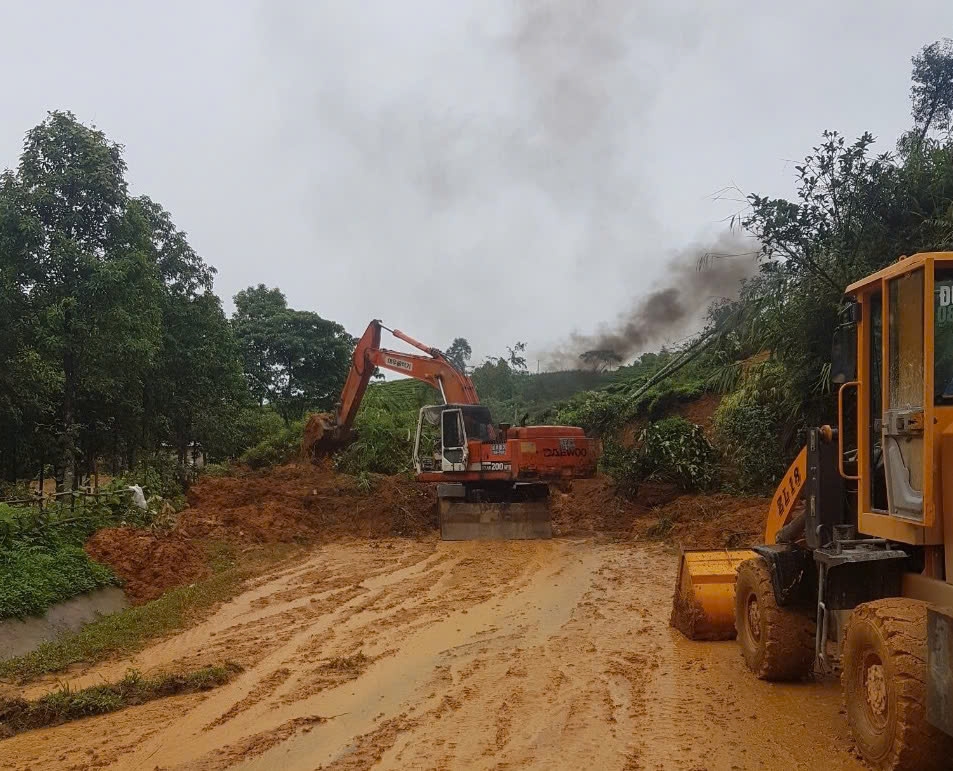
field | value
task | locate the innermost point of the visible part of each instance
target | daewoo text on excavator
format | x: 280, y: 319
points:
x: 859, y: 578
x: 492, y: 480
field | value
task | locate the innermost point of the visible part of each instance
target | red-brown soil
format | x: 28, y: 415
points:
x: 699, y: 411
x: 302, y: 501
x: 147, y: 562
x: 299, y: 502
x: 307, y: 503
x: 699, y: 521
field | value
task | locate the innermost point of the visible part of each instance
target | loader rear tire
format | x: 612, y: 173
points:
x: 777, y: 643
x: 884, y: 684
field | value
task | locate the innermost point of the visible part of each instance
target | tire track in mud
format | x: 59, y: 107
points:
x: 400, y: 654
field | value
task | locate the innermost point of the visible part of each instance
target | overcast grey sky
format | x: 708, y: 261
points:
x: 496, y: 169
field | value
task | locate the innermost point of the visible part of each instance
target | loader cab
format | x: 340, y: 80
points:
x: 903, y: 438
x: 443, y: 435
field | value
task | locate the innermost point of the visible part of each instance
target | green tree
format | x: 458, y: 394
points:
x: 196, y: 388
x: 94, y: 292
x: 493, y: 380
x: 854, y: 213
x: 515, y: 357
x: 199, y: 380
x: 932, y: 90
x: 459, y: 353
x: 114, y: 342
x: 294, y: 360
x: 312, y: 357
x: 28, y: 379
x: 255, y: 309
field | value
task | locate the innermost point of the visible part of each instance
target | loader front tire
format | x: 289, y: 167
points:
x: 884, y: 684
x: 777, y: 643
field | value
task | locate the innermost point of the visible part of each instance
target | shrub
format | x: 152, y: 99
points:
x: 607, y: 412
x: 675, y: 450
x: 279, y: 447
x: 216, y: 470
x: 670, y: 450
x: 156, y: 474
x: 32, y: 578
x: 249, y: 426
x: 384, y: 444
x: 597, y: 412
x: 68, y: 520
x: 751, y: 425
x: 622, y: 465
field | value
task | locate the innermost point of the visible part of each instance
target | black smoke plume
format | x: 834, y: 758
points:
x: 695, y: 277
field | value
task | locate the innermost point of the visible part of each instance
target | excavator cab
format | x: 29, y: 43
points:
x: 453, y: 441
x: 441, y: 441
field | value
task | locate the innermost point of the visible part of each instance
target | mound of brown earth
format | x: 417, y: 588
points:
x: 698, y: 521
x: 712, y: 521
x: 305, y: 501
x: 148, y: 563
x: 297, y: 502
x: 593, y: 506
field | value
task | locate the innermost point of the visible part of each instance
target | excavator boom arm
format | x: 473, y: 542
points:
x: 433, y: 369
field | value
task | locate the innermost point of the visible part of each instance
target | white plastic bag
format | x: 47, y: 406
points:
x: 138, y: 497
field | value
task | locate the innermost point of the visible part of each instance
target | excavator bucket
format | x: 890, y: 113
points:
x: 704, y: 604
x: 323, y: 436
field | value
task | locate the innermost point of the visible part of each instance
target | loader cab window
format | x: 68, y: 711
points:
x: 943, y: 337
x: 878, y: 479
x: 902, y: 433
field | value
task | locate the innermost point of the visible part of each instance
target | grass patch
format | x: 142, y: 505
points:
x: 130, y: 630
x: 221, y: 556
x: 32, y: 578
x: 61, y: 706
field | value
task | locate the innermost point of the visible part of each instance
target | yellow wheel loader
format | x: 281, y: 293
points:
x: 856, y: 571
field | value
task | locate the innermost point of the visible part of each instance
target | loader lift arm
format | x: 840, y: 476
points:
x: 786, y: 496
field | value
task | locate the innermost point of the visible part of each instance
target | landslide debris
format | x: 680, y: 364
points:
x: 299, y: 502
x: 660, y: 511
x: 304, y: 501
x: 148, y: 562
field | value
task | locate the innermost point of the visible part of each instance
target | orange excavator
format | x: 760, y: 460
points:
x: 492, y: 480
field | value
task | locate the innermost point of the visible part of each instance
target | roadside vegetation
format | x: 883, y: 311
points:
x: 42, y: 561
x: 64, y: 704
x: 130, y: 630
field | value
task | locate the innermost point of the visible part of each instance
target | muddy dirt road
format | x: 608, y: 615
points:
x: 404, y: 654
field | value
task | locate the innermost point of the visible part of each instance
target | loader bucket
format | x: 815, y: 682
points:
x: 704, y: 604
x: 465, y: 521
